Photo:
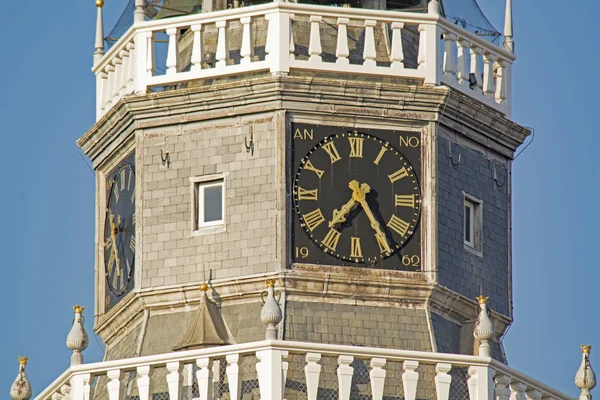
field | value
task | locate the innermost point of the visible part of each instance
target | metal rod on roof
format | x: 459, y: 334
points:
x: 508, y: 28
x: 99, y: 45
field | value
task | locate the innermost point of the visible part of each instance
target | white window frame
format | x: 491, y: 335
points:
x: 198, y: 185
x: 475, y: 244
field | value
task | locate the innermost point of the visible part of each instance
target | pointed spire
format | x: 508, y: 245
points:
x: 484, y: 329
x: 508, y: 28
x: 99, y: 32
x: 585, y: 379
x: 21, y: 388
x: 206, y: 328
x: 271, y: 313
x: 77, y: 339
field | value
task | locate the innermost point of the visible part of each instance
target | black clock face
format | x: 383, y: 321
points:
x: 357, y: 199
x: 119, y: 231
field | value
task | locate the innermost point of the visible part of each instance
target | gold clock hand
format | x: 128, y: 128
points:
x: 340, y: 216
x: 360, y: 196
x: 113, y: 235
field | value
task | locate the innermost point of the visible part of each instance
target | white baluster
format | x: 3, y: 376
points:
x: 172, y: 51
x: 314, y: 46
x: 197, y: 48
x: 449, y: 66
x: 500, y: 94
x: 57, y: 396
x: 533, y: 394
x: 277, y: 46
x: 233, y: 376
x: 101, y: 83
x: 461, y: 62
x: 88, y: 388
x: 65, y: 390
x: 344, y: 374
x: 204, y: 377
x: 140, y: 74
x: 342, y: 52
x: 246, y: 49
x: 115, y: 82
x: 150, y: 56
x: 222, y: 44
x: 442, y: 381
x: 81, y: 387
x: 377, y: 375
x: 131, y: 70
x: 108, y: 99
x: 397, y: 54
x: 410, y: 379
x: 502, y: 391
x: 312, y: 371
x: 476, y: 65
x: 124, y: 54
x: 369, y: 52
x: 488, y: 75
x: 422, y: 55
x: 145, y: 381
x: 285, y: 365
x: 517, y: 390
x: 116, y: 391
x: 472, y: 383
x: 292, y: 47
x: 270, y: 374
x: 174, y: 380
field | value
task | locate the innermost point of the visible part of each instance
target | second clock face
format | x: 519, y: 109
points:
x: 357, y: 198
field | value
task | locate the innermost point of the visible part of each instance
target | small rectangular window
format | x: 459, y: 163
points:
x: 208, y: 206
x: 473, y: 224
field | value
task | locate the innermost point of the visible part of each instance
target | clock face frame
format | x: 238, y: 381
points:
x: 356, y: 197
x: 119, y: 231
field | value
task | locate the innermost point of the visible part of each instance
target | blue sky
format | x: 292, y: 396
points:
x: 46, y: 241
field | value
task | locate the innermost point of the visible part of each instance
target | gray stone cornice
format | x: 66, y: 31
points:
x: 329, y: 95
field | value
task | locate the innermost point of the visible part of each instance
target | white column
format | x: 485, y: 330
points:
x: 344, y: 374
x: 124, y: 54
x: 145, y: 381
x: 197, y: 48
x: 270, y: 374
x: 110, y: 73
x: 76, y: 382
x: 461, y: 63
x: 410, y: 379
x: 500, y: 94
x: 131, y: 68
x: 481, y: 383
x: 116, y: 391
x: 204, y: 377
x: 341, y: 51
x: 115, y: 81
x: 312, y: 371
x: 476, y: 64
x: 278, y: 42
x: 501, y: 390
x: 489, y: 87
x: 369, y: 52
x: 377, y: 375
x: 234, y: 376
x: 174, y: 380
x: 442, y: 381
x: 143, y: 52
x: 172, y: 51
x: 314, y: 46
x: 472, y: 383
x: 422, y: 55
x: 221, y: 55
x: 292, y: 47
x: 517, y: 390
x: 449, y: 66
x: 246, y: 49
x: 101, y: 83
x: 397, y: 56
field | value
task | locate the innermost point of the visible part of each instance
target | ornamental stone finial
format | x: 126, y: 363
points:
x: 271, y: 313
x: 77, y: 339
x: 99, y: 42
x: 484, y: 329
x: 585, y: 378
x: 21, y: 388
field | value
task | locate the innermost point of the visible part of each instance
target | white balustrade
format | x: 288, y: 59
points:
x: 131, y: 65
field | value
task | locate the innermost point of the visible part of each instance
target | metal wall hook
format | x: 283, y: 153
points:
x: 454, y: 164
x: 249, y: 147
x: 165, y: 158
x: 496, y: 180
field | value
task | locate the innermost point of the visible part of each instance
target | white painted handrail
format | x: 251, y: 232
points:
x: 460, y: 59
x: 487, y: 378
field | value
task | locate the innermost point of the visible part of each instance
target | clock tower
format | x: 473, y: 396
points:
x: 359, y: 156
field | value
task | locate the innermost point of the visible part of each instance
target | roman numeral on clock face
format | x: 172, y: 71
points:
x: 308, y: 166
x: 132, y: 243
x: 401, y: 173
x: 398, y: 225
x: 123, y: 178
x: 356, y: 147
x: 313, y: 219
x: 380, y: 155
x: 304, y: 194
x: 404, y: 200
x: 331, y: 239
x: 116, y: 192
x: 381, y: 244
x: 332, y: 151
x: 355, y: 250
